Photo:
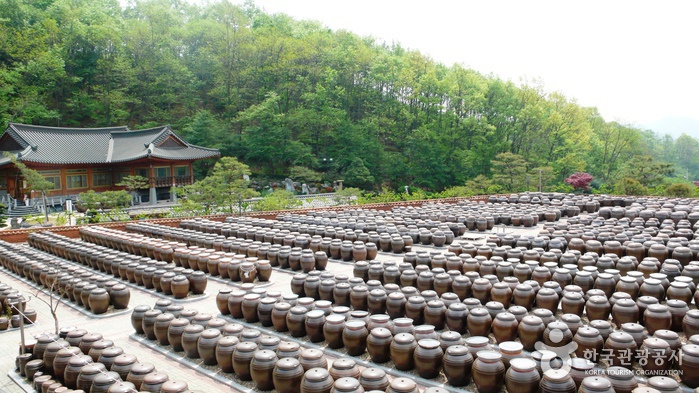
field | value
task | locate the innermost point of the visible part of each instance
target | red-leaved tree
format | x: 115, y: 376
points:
x: 580, y: 180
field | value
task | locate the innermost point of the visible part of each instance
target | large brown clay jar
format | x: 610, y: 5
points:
x: 287, y: 375
x: 262, y: 369
x: 457, y: 363
x: 317, y: 380
x: 242, y: 357
x: 488, y: 372
x: 428, y: 358
x: 522, y: 376
x: 354, y: 337
x: 402, y: 351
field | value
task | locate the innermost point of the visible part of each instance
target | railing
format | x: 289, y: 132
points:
x: 167, y: 181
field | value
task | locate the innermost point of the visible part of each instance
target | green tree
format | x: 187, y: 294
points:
x: 629, y: 186
x: 357, y: 174
x: 133, y: 183
x: 509, y: 171
x: 308, y: 175
x: 681, y: 190
x: 223, y: 189
x: 277, y: 200
x: 34, y: 180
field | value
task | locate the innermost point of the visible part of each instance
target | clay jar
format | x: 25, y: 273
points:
x: 590, y: 343
x: 530, y: 331
x: 522, y: 376
x: 428, y: 358
x: 287, y: 375
x: 242, y: 357
x: 315, y: 320
x: 175, y: 331
x: 622, y: 346
x: 557, y: 381
x: 402, y: 350
x: 457, y: 363
x: 657, y: 317
x: 488, y: 372
x: 332, y: 330
x: 344, y: 368
x: 690, y: 365
x: 262, y: 369
x: 354, y: 337
x: 317, y: 380
x: 505, y: 327
x: 98, y: 301
x: 190, y: 336
x: 479, y: 322
x: 435, y: 313
x: 378, y: 345
x: 206, y: 345
x: 598, y: 307
x: 224, y: 352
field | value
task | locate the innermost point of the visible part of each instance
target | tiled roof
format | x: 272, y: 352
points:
x: 53, y: 145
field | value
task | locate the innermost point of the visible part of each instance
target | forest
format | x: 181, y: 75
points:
x: 285, y: 95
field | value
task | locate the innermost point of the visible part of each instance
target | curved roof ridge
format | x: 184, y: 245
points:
x: 31, y: 126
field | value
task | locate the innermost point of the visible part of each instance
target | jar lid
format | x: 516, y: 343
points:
x: 347, y: 384
x: 142, y: 368
x: 458, y: 350
x: 315, y: 314
x: 403, y: 385
x: 404, y: 338
x: 317, y: 375
x: 344, y: 364
x: 512, y: 347
x: 556, y: 375
x: 428, y: 343
x: 581, y: 364
x: 373, y: 374
x: 155, y: 378
x: 174, y: 386
x: 522, y: 364
x: 312, y: 354
x: 290, y: 363
x: 246, y: 346
x: 125, y: 359
x: 265, y: 355
x: 381, y: 333
x: 489, y: 356
x: 355, y: 324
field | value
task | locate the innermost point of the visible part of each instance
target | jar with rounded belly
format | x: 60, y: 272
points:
x: 206, y: 345
x: 161, y: 327
x: 296, y: 321
x: 488, y: 372
x: 88, y: 374
x: 657, y: 317
x: 317, y: 380
x: 190, y: 337
x: 522, y: 376
x: 314, y: 322
x: 333, y: 329
x: 137, y: 317
x: 622, y: 347
x: 354, y: 337
x: 224, y: 352
x: 249, y: 307
x: 175, y: 331
x: 242, y: 357
x: 287, y: 375
x: 479, y: 322
x: 590, y: 343
x: 557, y: 381
x: 457, y: 364
x: 262, y: 369
x: 428, y: 358
x: 98, y: 300
x: 378, y: 345
x: 344, y: 368
x: 531, y: 330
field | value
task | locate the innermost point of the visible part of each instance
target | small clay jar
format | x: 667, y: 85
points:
x: 428, y: 358
x: 690, y: 323
x: 138, y: 372
x: 373, y: 379
x: 60, y: 362
x: 344, y: 368
x: 596, y: 384
x: 402, y: 385
x: 354, y: 337
x: 488, y: 372
x: 332, y: 331
x: 137, y: 317
x: 98, y: 301
x: 314, y: 322
x: 664, y: 384
x: 522, y: 376
x: 625, y: 311
x: 378, y: 345
x: 457, y: 363
x: 287, y: 375
x: 395, y: 305
x: 657, y: 353
x: 598, y: 307
x: 456, y: 317
x: 262, y: 369
x: 296, y: 321
x: 402, y: 350
x: 242, y: 357
x: 288, y: 349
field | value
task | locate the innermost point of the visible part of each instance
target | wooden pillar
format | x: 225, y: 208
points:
x: 153, y: 195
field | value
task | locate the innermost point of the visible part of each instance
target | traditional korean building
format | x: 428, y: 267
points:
x: 81, y: 159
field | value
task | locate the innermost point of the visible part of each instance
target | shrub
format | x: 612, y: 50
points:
x: 680, y: 190
x: 580, y: 180
x: 278, y: 200
x: 629, y: 186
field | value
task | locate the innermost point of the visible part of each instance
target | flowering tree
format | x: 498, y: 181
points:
x: 580, y: 180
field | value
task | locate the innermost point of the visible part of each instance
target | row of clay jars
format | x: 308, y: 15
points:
x: 96, y: 299
x: 131, y: 243
x: 142, y: 272
x: 148, y: 275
